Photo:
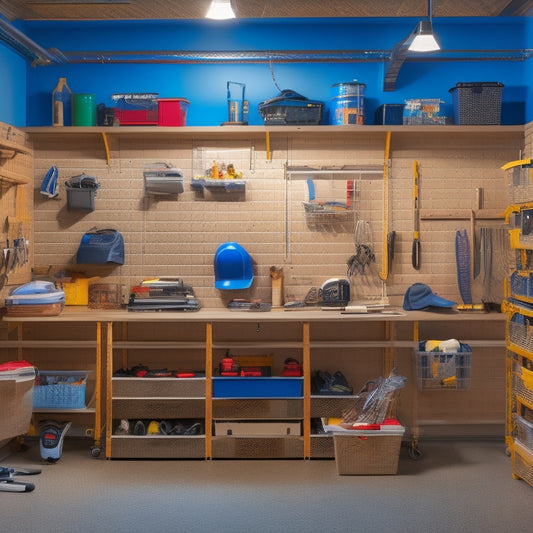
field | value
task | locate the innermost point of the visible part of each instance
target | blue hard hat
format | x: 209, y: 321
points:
x: 233, y: 267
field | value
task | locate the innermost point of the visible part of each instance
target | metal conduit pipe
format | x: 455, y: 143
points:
x: 28, y: 48
x: 287, y: 56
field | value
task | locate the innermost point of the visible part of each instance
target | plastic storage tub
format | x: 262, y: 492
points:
x: 389, y: 114
x: 77, y: 290
x: 368, y: 452
x: 79, y: 199
x: 172, y: 111
x: 60, y: 389
x: 477, y: 103
x: 136, y: 109
x: 257, y: 387
x: 347, y: 104
x: 16, y: 392
x: 420, y: 111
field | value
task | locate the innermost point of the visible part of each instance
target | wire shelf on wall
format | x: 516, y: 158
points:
x: 332, y: 194
x: 333, y: 202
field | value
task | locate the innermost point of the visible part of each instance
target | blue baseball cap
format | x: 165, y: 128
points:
x: 233, y: 267
x: 420, y: 296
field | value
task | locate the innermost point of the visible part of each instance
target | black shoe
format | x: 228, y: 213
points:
x: 139, y: 428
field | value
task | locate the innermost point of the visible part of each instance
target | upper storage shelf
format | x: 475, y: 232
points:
x: 261, y: 130
x: 266, y: 132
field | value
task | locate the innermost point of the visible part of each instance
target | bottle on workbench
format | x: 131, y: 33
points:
x: 61, y: 102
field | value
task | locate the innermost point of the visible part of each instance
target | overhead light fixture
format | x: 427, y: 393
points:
x: 220, y: 10
x: 423, y: 38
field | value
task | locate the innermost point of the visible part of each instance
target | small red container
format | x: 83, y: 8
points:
x: 173, y: 111
x: 136, y: 117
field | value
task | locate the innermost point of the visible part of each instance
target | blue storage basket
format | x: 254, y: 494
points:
x: 60, y: 390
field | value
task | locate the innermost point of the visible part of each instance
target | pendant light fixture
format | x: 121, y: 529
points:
x: 220, y: 10
x: 424, y: 40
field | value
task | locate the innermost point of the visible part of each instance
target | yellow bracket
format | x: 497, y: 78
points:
x: 267, y: 149
x: 106, y: 146
x: 517, y: 163
x: 384, y: 274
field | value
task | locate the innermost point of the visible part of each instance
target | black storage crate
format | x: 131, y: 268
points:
x: 389, y: 114
x: 291, y: 108
x: 477, y: 103
x: 285, y: 115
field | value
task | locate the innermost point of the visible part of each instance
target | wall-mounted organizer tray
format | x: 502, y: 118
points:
x: 79, y: 199
x: 218, y: 185
x: 162, y: 179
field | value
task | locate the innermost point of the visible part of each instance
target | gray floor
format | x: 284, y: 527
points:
x: 456, y: 487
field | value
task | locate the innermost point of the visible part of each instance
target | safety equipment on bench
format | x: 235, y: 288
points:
x: 420, y: 296
x: 233, y: 267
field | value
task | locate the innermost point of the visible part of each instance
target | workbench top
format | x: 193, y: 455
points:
x: 84, y: 314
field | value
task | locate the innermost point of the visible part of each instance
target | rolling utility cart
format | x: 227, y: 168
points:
x: 69, y: 387
x: 16, y: 396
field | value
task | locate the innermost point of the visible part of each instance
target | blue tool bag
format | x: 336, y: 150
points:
x: 101, y: 247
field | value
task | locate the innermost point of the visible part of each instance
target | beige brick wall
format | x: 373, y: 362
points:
x: 179, y: 236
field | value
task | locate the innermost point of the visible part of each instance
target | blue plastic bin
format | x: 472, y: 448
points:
x: 60, y: 389
x: 257, y: 387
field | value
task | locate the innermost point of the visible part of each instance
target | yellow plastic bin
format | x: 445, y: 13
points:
x: 77, y: 290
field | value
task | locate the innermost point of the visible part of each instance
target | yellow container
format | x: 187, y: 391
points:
x: 77, y: 291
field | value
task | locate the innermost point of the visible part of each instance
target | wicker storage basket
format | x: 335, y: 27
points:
x: 363, y: 454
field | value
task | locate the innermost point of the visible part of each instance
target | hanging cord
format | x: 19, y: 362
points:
x: 272, y: 73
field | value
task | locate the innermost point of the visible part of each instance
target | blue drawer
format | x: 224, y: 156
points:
x: 257, y: 387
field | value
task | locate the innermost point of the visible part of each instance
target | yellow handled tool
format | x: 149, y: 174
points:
x: 384, y: 274
x: 415, y: 255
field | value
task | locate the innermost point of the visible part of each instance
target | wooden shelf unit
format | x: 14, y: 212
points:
x: 362, y: 346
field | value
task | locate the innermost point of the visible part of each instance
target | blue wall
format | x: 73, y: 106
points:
x: 13, y: 84
x: 205, y: 84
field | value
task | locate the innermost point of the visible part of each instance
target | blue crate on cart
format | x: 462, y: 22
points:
x: 522, y: 283
x: 60, y: 389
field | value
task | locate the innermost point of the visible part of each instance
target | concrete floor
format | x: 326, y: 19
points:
x: 457, y: 486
